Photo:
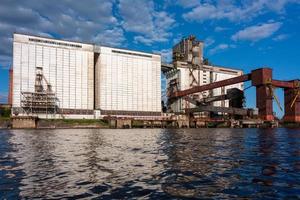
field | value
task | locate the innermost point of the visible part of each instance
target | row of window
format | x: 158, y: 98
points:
x: 131, y: 53
x: 56, y: 43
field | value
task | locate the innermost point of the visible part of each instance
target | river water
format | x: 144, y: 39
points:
x: 150, y: 164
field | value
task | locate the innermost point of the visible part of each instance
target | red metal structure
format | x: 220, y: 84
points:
x: 9, y: 101
x: 264, y: 83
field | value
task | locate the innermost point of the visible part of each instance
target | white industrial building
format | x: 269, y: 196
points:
x: 207, y: 74
x: 63, y: 79
x: 128, y: 82
x: 189, y: 70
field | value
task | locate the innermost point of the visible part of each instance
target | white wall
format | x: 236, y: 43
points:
x: 66, y: 66
x: 175, y: 74
x: 127, y: 81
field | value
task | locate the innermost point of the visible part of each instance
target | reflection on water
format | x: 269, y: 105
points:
x: 150, y: 164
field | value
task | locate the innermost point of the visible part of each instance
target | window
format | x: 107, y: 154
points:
x: 54, y: 42
x: 130, y: 53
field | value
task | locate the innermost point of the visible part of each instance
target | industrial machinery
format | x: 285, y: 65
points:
x: 265, y: 84
x: 188, y: 70
x: 236, y: 103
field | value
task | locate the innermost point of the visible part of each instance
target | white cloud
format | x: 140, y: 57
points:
x: 220, y: 29
x: 187, y: 3
x: 143, y: 39
x: 233, y: 11
x: 136, y: 15
x: 202, y: 12
x: 258, y: 32
x: 220, y: 47
x: 281, y: 37
x: 208, y: 42
x: 112, y: 37
x: 143, y: 19
x: 62, y: 18
x: 96, y: 21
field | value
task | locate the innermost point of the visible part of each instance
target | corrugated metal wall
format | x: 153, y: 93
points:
x: 128, y: 81
x: 69, y: 69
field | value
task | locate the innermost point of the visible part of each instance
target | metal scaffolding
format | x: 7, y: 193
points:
x: 41, y: 100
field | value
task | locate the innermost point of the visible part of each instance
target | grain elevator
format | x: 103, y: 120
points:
x: 190, y: 70
x: 63, y: 79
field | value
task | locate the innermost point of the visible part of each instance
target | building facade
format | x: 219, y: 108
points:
x: 129, y: 82
x: 62, y: 79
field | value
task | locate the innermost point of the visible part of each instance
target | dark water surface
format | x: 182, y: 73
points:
x: 150, y: 164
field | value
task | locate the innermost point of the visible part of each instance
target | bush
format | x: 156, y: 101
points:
x: 5, y: 112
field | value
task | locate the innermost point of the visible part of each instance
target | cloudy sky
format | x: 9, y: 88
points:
x: 244, y: 34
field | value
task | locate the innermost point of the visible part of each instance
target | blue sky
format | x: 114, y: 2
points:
x: 243, y: 34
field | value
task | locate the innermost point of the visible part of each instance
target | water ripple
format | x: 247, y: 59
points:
x: 150, y: 164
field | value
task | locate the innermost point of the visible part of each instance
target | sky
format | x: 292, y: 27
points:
x: 243, y: 34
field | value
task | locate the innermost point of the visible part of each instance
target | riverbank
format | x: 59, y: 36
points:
x: 31, y: 122
x: 72, y: 123
x: 6, y: 123
x: 290, y: 125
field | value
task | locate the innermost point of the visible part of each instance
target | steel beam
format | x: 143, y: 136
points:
x: 283, y: 84
x: 211, y: 86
